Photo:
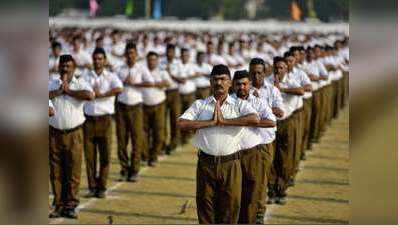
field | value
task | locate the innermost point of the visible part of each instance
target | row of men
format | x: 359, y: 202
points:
x: 235, y: 165
x: 144, y: 96
x: 232, y: 49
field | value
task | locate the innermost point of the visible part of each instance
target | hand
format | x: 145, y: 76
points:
x: 215, y: 115
x: 220, y: 118
x: 65, y: 87
x: 255, y: 93
x: 97, y: 92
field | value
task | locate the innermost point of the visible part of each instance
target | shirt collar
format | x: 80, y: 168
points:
x: 230, y: 99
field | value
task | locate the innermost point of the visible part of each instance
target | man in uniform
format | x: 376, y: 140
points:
x: 217, y: 121
x: 255, y: 158
x: 97, y: 128
x: 68, y: 94
x: 154, y: 109
x: 129, y: 113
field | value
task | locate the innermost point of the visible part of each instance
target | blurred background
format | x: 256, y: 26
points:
x: 300, y: 10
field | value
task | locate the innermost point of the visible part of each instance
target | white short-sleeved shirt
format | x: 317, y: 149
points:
x: 270, y: 94
x: 291, y: 102
x: 313, y: 68
x: 69, y: 110
x: 174, y: 66
x: 186, y: 71
x: 53, y: 62
x: 105, y: 82
x: 323, y: 72
x: 266, y: 135
x: 155, y: 95
x: 218, y: 140
x: 303, y: 79
x: 139, y: 74
x: 202, y: 81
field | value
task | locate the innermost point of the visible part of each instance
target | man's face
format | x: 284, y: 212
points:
x: 297, y: 55
x: 152, y: 62
x: 170, y: 53
x: 185, y: 56
x: 57, y: 51
x: 242, y: 87
x: 302, y: 55
x: 220, y: 84
x: 131, y: 55
x: 98, y: 61
x: 66, y: 67
x: 76, y: 45
x: 201, y: 58
x: 318, y: 52
x: 280, y: 68
x: 256, y: 72
x: 210, y: 48
x: 291, y: 61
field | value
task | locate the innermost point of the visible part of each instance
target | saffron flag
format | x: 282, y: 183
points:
x: 93, y: 7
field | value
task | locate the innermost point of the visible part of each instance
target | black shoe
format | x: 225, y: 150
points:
x: 101, y: 194
x: 291, y: 183
x: 260, y: 218
x: 91, y: 194
x: 168, y: 150
x: 69, y: 213
x: 56, y: 213
x: 280, y: 200
x: 132, y: 177
x: 152, y: 163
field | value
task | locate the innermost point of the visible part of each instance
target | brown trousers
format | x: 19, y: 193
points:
x: 254, y: 163
x: 307, y: 111
x: 129, y: 124
x: 218, y: 190
x: 202, y: 93
x: 298, y: 121
x: 186, y: 102
x: 97, y: 140
x: 154, y: 131
x: 283, y: 161
x: 337, y: 98
x: 271, y: 172
x: 346, y: 84
x: 173, y: 111
x: 65, y: 156
x: 316, y: 114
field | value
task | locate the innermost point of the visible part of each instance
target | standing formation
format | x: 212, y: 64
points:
x: 253, y: 107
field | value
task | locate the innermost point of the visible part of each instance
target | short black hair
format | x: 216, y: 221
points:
x: 184, y: 50
x: 220, y: 69
x: 56, y: 44
x: 240, y: 74
x: 257, y: 61
x: 287, y: 54
x: 170, y: 46
x: 152, y: 53
x: 66, y: 58
x: 130, y: 45
x: 278, y: 59
x: 199, y: 53
x: 99, y: 51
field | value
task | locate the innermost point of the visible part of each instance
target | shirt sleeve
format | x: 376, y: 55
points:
x: 265, y: 112
x: 305, y: 80
x: 116, y: 82
x: 246, y: 108
x: 146, y: 76
x: 192, y: 112
x: 83, y: 85
x: 277, y: 100
x: 121, y: 74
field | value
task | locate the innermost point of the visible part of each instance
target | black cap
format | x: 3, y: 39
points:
x: 65, y: 58
x: 220, y: 69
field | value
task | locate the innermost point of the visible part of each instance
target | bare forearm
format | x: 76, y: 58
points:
x: 82, y: 95
x: 110, y: 93
x: 308, y: 88
x: 53, y: 94
x: 266, y: 123
x: 187, y: 125
x: 293, y: 91
x: 248, y: 120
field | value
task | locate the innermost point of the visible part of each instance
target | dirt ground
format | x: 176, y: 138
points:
x: 166, y: 194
